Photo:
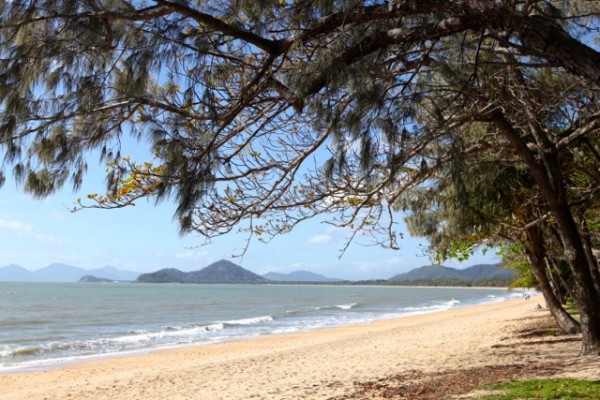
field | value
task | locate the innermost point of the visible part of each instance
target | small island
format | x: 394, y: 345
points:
x: 95, y: 279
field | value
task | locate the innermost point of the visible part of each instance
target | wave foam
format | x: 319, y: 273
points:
x: 249, y: 321
x: 346, y: 306
x: 435, y: 306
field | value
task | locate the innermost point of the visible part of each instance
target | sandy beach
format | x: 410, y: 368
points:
x: 375, y: 360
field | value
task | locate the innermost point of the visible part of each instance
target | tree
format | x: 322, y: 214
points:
x: 530, y: 109
x: 497, y: 206
x: 273, y: 112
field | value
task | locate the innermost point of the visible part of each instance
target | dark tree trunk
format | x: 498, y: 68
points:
x: 556, y: 283
x: 564, y: 283
x: 536, y: 254
x: 588, y: 299
x: 549, y: 178
x: 587, y: 244
x: 550, y: 41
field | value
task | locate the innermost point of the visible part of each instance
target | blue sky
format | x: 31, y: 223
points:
x: 144, y: 238
x: 35, y: 233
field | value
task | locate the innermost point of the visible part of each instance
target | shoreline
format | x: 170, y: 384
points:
x: 41, y: 365
x: 320, y: 363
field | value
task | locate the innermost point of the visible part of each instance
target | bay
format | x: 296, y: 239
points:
x: 45, y: 324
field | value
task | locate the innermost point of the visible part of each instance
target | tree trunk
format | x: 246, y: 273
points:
x: 549, y: 178
x: 535, y: 252
x: 558, y: 277
x: 555, y: 283
x: 588, y: 300
x: 587, y: 245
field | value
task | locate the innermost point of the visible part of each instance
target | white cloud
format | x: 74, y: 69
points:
x: 193, y: 260
x: 187, y: 254
x: 321, y: 239
x: 330, y: 235
x: 18, y: 227
x: 299, y: 266
x: 193, y: 255
x: 51, y: 240
x: 56, y: 216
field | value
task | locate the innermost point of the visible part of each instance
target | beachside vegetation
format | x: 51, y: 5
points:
x: 479, y: 118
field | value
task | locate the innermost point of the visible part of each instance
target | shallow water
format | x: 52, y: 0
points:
x: 48, y: 323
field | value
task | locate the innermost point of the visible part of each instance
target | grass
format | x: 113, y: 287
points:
x: 541, y: 389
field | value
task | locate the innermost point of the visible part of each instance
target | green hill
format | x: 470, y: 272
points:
x: 429, y: 272
x: 167, y: 275
x: 222, y: 271
x: 477, y: 275
x: 487, y: 271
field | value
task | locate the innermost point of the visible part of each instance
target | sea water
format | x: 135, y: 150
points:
x: 46, y: 324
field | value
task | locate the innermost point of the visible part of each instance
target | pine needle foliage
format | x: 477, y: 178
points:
x: 261, y: 114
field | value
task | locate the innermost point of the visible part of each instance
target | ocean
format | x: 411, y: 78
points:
x: 43, y: 325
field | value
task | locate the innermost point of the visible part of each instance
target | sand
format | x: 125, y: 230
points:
x: 318, y: 364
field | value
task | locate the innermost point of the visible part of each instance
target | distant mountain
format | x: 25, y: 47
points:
x: 480, y: 273
x: 167, y: 275
x: 58, y: 272
x: 487, y: 271
x: 14, y: 273
x: 429, y: 272
x: 222, y: 271
x: 298, y: 276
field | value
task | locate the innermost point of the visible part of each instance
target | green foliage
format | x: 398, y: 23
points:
x: 263, y: 114
x: 479, y: 118
x: 514, y: 258
x: 542, y: 389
